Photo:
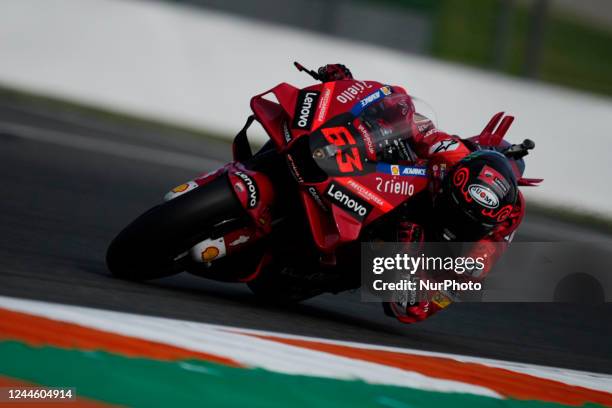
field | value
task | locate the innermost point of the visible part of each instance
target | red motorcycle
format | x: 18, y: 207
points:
x: 287, y: 220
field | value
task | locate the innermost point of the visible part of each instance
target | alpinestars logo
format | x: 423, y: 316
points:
x: 305, y: 109
x: 343, y: 198
x: 447, y: 145
x: 253, y: 193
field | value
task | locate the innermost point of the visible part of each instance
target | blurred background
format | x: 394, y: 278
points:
x: 558, y: 41
x: 196, y: 63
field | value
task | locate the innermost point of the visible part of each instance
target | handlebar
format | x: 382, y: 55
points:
x: 518, y: 151
x: 310, y: 72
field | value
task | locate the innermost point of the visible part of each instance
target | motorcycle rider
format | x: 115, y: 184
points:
x: 452, y: 211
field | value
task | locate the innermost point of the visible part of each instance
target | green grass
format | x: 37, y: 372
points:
x: 577, y: 55
x: 464, y: 33
x: 140, y: 382
x: 574, y: 52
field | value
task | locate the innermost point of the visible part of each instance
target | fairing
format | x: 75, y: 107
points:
x: 356, y: 134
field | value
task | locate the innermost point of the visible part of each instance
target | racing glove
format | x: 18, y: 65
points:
x: 420, y: 310
x: 406, y: 308
x: 409, y: 232
x: 412, y: 311
x: 334, y: 72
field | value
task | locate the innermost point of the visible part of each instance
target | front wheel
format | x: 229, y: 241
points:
x: 154, y: 245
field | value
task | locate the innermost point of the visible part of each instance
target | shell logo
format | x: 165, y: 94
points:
x: 441, y: 300
x: 395, y: 170
x: 181, y: 188
x: 210, y: 253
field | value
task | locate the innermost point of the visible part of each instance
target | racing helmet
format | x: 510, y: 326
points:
x: 478, y: 194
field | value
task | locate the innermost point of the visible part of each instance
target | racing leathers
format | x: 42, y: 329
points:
x: 443, y: 151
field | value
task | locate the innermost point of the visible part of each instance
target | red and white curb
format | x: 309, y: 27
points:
x: 300, y: 355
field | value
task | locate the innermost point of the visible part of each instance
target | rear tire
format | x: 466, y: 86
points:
x: 150, y: 247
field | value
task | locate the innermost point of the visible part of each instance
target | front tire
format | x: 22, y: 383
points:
x: 151, y: 246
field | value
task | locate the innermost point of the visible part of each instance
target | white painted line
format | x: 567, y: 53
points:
x: 118, y: 149
x: 594, y: 381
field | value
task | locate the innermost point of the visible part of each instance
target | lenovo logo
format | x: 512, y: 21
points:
x: 343, y: 198
x: 304, y: 109
x: 253, y: 194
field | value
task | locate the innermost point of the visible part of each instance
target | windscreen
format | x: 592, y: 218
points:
x: 373, y: 131
x: 390, y: 124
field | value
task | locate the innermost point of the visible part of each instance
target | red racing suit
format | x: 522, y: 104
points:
x: 443, y: 151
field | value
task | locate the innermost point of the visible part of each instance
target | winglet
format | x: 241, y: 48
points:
x: 490, y: 136
x: 529, y: 182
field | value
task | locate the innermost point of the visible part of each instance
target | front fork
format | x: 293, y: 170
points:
x: 255, y: 193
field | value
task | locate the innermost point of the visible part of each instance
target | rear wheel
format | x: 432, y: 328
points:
x: 155, y: 244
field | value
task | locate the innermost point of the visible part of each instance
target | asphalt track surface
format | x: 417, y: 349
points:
x: 71, y: 182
